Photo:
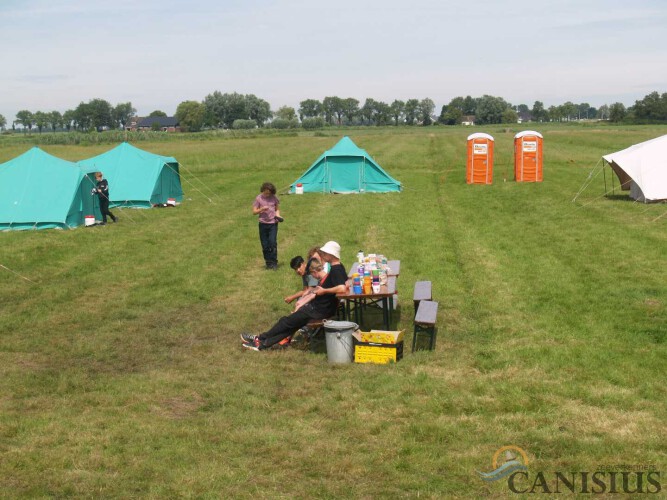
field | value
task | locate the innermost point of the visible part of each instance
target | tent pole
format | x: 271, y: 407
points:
x: 604, y: 174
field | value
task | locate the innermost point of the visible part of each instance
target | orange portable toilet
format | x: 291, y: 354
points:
x: 479, y: 168
x: 528, y: 156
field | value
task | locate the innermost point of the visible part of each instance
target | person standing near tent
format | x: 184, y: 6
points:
x: 267, y: 206
x: 102, y: 192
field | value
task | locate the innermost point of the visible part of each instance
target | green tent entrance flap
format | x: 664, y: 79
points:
x: 39, y: 191
x: 346, y: 168
x: 136, y: 177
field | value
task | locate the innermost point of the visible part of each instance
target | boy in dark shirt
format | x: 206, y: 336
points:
x: 323, y: 306
x: 102, y: 192
x: 303, y: 270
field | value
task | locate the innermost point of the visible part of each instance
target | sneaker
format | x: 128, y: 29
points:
x: 254, y: 346
x: 248, y: 338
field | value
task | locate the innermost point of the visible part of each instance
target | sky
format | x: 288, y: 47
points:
x: 156, y: 54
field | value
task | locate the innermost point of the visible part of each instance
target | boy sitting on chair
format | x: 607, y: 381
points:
x: 322, y: 306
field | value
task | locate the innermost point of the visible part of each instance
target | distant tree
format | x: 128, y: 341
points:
x: 603, y: 112
x: 3, y: 122
x: 122, y: 113
x: 310, y: 108
x: 223, y: 109
x: 509, y: 116
x: 100, y: 113
x: 452, y: 113
x: 617, y: 112
x: 190, y: 115
x: 383, y: 113
x: 490, y: 110
x: 538, y: 112
x: 155, y: 126
x: 26, y: 119
x: 469, y: 106
x: 41, y: 120
x: 332, y: 107
x: 522, y: 108
x: 350, y: 108
x: 583, y: 110
x: 215, y: 109
x: 367, y: 111
x: 286, y: 113
x: 555, y: 113
x: 157, y: 112
x: 652, y: 108
x: 257, y: 109
x: 82, y: 118
x: 68, y: 119
x: 426, y: 107
x: 569, y: 110
x: 411, y: 111
x: 55, y: 119
x: 397, y: 111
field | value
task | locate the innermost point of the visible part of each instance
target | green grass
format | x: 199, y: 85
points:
x: 121, y: 372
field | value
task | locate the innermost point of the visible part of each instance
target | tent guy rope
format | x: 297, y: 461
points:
x: 17, y: 274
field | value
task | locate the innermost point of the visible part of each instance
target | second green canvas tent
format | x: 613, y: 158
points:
x: 136, y: 177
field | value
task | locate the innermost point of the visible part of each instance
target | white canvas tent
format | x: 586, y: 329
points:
x: 642, y: 169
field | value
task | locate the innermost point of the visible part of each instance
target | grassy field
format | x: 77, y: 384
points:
x: 122, y: 375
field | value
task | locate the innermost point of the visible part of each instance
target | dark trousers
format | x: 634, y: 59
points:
x: 268, y: 236
x: 104, y: 208
x: 288, y: 325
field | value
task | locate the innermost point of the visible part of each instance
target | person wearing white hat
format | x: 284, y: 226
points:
x: 323, y: 306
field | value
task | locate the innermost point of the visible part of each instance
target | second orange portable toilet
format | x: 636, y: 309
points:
x: 479, y: 167
x: 528, y: 156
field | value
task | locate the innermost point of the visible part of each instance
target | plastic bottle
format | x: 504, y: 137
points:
x: 360, y: 256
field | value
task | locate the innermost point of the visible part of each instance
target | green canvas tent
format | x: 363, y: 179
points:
x: 39, y: 191
x: 346, y: 168
x: 136, y: 177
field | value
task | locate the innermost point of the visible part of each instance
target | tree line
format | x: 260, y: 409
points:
x: 238, y: 111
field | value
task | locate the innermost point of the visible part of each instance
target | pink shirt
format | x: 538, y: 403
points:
x: 268, y: 216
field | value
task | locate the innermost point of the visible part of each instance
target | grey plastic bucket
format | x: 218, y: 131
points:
x: 340, y: 348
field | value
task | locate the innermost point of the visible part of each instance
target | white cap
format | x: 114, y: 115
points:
x: 332, y: 248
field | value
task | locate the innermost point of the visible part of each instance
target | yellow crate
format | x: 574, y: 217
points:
x: 378, y: 353
x: 382, y: 336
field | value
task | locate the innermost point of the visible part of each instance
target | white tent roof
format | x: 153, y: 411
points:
x: 646, y: 164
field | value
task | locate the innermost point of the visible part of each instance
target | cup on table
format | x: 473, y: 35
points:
x: 376, y: 287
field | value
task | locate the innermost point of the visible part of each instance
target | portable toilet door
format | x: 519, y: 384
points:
x: 479, y: 168
x: 528, y: 156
